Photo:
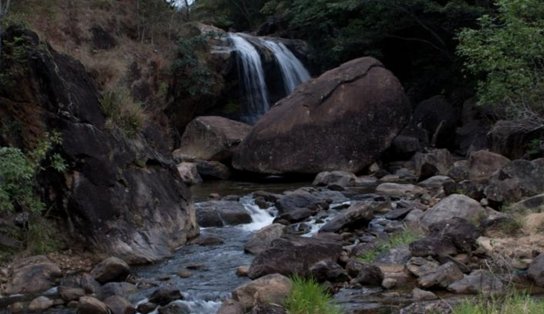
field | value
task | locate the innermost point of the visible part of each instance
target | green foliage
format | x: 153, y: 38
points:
x: 309, y: 297
x: 507, y: 53
x: 41, y: 236
x: 514, y: 302
x: 238, y: 14
x: 122, y: 111
x: 404, y: 237
x: 192, y: 73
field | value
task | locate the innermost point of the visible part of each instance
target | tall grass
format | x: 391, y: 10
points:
x: 513, y: 303
x: 404, y: 237
x: 309, y: 297
x: 122, y: 111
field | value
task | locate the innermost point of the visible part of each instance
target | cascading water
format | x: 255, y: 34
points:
x: 253, y: 77
x: 251, y: 72
x: 292, y: 70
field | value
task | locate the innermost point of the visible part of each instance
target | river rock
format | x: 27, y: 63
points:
x: 442, y: 276
x: 340, y: 178
x: 369, y: 275
x: 536, y: 270
x: 211, y: 138
x: 268, y: 308
x: 146, y: 307
x: 40, y: 304
x: 165, y: 295
x: 328, y: 271
x: 436, y: 162
x: 518, y: 179
x: 455, y: 205
x: 420, y: 266
x: 432, y: 246
x: 263, y: 238
x: 294, y: 216
x: 398, y: 189
x: 429, y: 307
x: 272, y: 288
x: 483, y: 164
x: 436, y: 182
x: 357, y: 216
x: 212, y: 170
x: 221, y: 213
x: 189, y: 173
x: 123, y: 289
x: 459, y: 231
x: 111, y: 269
x: 70, y: 294
x: 119, y: 305
x: 299, y: 199
x: 91, y: 305
x: 358, y: 100
x: 292, y: 255
x: 479, y: 282
x: 230, y: 306
x: 421, y: 295
x: 175, y: 308
x: 33, y: 274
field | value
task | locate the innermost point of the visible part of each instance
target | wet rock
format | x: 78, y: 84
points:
x: 299, y: 199
x: 455, y: 205
x: 268, y: 308
x: 70, y: 294
x: 91, y: 305
x: 242, y: 271
x: 189, y: 173
x: 442, y: 277
x: 483, y: 164
x: 294, y: 216
x: 478, y: 282
x: 291, y: 255
x: 147, y: 307
x: 398, y: 189
x: 357, y: 216
x: 341, y: 178
x: 398, y: 213
x: 457, y: 230
x: 165, y: 295
x: 326, y: 114
x: 221, y: 213
x: 420, y: 266
x: 436, y: 182
x: 40, y: 304
x: 208, y: 241
x: 389, y: 283
x: 328, y: 271
x: 33, y: 274
x: 212, y: 170
x: 422, y: 295
x: 111, y: 269
x: 116, y: 288
x: 432, y: 246
x: 89, y: 284
x: 17, y: 307
x: 518, y: 179
x: 119, y: 305
x: 436, y: 162
x: 184, y: 273
x: 431, y: 307
x: 175, y: 308
x: 211, y: 138
x: 263, y: 238
x: 369, y: 275
x: 536, y: 270
x: 273, y: 288
x: 230, y: 306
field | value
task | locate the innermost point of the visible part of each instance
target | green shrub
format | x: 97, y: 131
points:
x: 122, y: 111
x: 309, y: 297
x: 515, y: 302
x: 406, y: 236
x: 506, y: 53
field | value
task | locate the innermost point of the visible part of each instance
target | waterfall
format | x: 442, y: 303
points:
x: 292, y: 70
x: 252, y: 75
x: 251, y: 72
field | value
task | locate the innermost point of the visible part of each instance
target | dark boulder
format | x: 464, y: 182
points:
x: 517, y: 179
x: 33, y: 274
x: 111, y: 269
x: 359, y: 100
x: 357, y: 216
x: 221, y: 213
x: 299, y: 199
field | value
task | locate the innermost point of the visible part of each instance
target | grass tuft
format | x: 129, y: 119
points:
x: 122, y: 111
x: 515, y: 302
x: 404, y: 237
x: 309, y: 297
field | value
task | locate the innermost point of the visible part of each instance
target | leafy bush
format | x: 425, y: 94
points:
x: 507, y: 54
x: 309, y: 297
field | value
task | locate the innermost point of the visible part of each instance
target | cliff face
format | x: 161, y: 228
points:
x: 119, y: 194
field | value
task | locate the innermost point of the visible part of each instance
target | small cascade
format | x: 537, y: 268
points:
x: 292, y: 70
x: 252, y: 75
x: 251, y: 72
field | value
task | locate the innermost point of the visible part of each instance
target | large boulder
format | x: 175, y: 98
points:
x: 221, y: 213
x: 340, y: 121
x: 263, y: 238
x: 516, y: 180
x: 33, y: 274
x: 455, y: 205
x: 211, y: 138
x: 291, y: 255
x: 118, y: 194
x: 482, y: 164
x: 273, y: 288
x: 536, y: 271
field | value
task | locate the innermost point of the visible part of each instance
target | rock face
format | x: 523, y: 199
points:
x: 340, y: 121
x: 211, y: 138
x: 118, y: 194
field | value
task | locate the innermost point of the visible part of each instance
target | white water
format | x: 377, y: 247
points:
x: 292, y: 70
x: 261, y: 217
x: 251, y: 72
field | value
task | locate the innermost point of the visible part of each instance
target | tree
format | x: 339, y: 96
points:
x: 506, y: 53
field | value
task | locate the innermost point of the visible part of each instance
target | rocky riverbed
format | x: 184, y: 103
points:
x: 416, y: 240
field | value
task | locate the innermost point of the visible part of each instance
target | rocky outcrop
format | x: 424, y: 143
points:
x: 340, y: 121
x: 118, y: 194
